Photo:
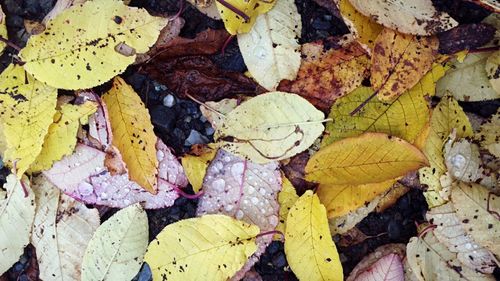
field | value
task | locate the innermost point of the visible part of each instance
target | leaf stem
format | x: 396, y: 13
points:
x: 10, y: 43
x: 357, y: 109
x: 234, y: 10
x: 188, y: 196
x: 273, y: 232
x: 482, y: 50
x: 203, y: 104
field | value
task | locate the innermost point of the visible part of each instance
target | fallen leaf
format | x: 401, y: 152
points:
x: 61, y: 231
x: 181, y: 250
x: 59, y: 7
x: 89, y: 58
x: 117, y: 248
x: 465, y: 37
x: 271, y: 50
x: 368, y: 158
x: 27, y: 110
x: 431, y: 260
x: 286, y: 199
x: 420, y: 18
x: 309, y: 247
x: 462, y: 160
x: 215, y: 112
x: 446, y: 117
x: 399, y: 61
x: 468, y: 81
x: 246, y: 191
x: 17, y: 211
x: 478, y: 210
x: 488, y: 134
x: 492, y: 5
x: 208, y: 8
x: 240, y: 16
x: 494, y: 20
x: 390, y: 197
x: 3, y: 29
x: 341, y: 199
x: 294, y: 169
x: 326, y: 75
x: 131, y: 123
x: 201, y: 78
x: 367, y: 29
x: 492, y: 67
x: 61, y: 136
x: 451, y: 233
x: 384, y: 262
x: 270, y: 127
x: 195, y: 167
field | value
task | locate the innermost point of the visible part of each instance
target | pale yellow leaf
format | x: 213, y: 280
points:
x: 271, y: 50
x: 117, y: 248
x: 27, y: 110
x: 367, y: 29
x: 3, y: 29
x: 211, y: 247
x: 215, y: 111
x: 195, y: 167
x: 72, y: 53
x: 271, y: 127
x: 492, y: 67
x: 16, y: 218
x: 133, y: 133
x: 488, y: 134
x: 309, y: 247
x: 286, y: 198
x: 368, y: 158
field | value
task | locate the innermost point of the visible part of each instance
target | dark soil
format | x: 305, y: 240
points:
x: 181, y: 124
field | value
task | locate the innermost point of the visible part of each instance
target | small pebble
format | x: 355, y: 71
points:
x: 169, y: 100
x: 209, y: 131
x: 195, y: 138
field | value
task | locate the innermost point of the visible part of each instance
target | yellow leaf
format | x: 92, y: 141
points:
x: 3, y: 29
x: 182, y: 249
x: 447, y: 115
x: 61, y: 137
x: 77, y: 50
x: 271, y: 127
x: 195, y: 167
x: 488, y: 134
x: 367, y: 29
x: 368, y: 158
x: 399, y: 61
x: 492, y: 67
x: 239, y: 16
x: 309, y: 247
x: 26, y: 114
x: 286, y: 198
x: 341, y: 199
x: 133, y: 133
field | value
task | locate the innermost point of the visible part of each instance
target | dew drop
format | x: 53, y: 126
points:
x: 254, y: 200
x: 458, y: 161
x: 262, y: 191
x: 227, y: 159
x: 250, y: 189
x: 218, y: 185
x: 160, y: 155
x: 85, y: 188
x: 239, y: 215
x: 237, y: 170
x: 273, y: 220
x: 104, y: 195
x: 228, y: 208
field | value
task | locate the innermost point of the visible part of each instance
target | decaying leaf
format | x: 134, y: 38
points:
x: 216, y: 111
x: 465, y: 37
x: 195, y: 167
x: 271, y: 127
x: 72, y: 54
x: 478, y: 210
x: 446, y: 117
x: 388, y: 267
x: 246, y: 191
x: 117, y: 247
x: 182, y: 249
x: 368, y: 158
x: 462, y: 160
x: 61, y: 136
x: 293, y: 169
x: 488, y: 135
x: 133, y: 131
x: 419, y: 18
x: 27, y: 110
x: 286, y: 199
x: 240, y: 16
x: 492, y: 67
x: 430, y: 260
x: 451, y: 233
x: 494, y: 20
x: 309, y: 247
x: 271, y: 50
x: 16, y: 218
x: 326, y: 75
x: 493, y: 5
x: 399, y: 61
x: 3, y: 29
x: 468, y: 80
x: 208, y: 7
x: 61, y: 231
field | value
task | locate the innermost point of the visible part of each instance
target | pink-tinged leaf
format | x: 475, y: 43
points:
x: 246, y: 191
x: 99, y: 124
x: 84, y: 177
x: 387, y: 268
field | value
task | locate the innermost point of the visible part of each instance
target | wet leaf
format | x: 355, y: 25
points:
x: 117, y: 248
x: 27, y: 110
x: 240, y: 16
x: 61, y: 231
x: 271, y: 50
x: 492, y: 67
x: 385, y: 262
x: 309, y: 247
x: 216, y: 111
x: 488, y: 135
x: 72, y: 54
x: 326, y: 75
x: 420, y: 18
x: 492, y: 5
x: 181, y: 250
x: 3, y: 29
x: 478, y: 210
x: 195, y: 167
x: 369, y: 158
x: 131, y: 124
x: 16, y: 218
x: 270, y: 127
x: 399, y: 61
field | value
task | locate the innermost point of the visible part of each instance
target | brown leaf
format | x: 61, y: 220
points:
x: 200, y: 77
x: 465, y: 36
x: 326, y: 75
x: 294, y: 172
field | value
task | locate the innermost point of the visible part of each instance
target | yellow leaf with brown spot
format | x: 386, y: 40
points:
x: 3, y: 29
x: 367, y: 29
x: 28, y: 107
x: 61, y: 137
x: 286, y: 198
x: 239, y: 16
x: 341, y: 199
x: 133, y: 133
x: 368, y: 158
x: 488, y: 134
x: 399, y: 61
x: 78, y: 48
x: 195, y: 167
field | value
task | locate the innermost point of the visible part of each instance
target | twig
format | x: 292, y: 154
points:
x: 11, y: 44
